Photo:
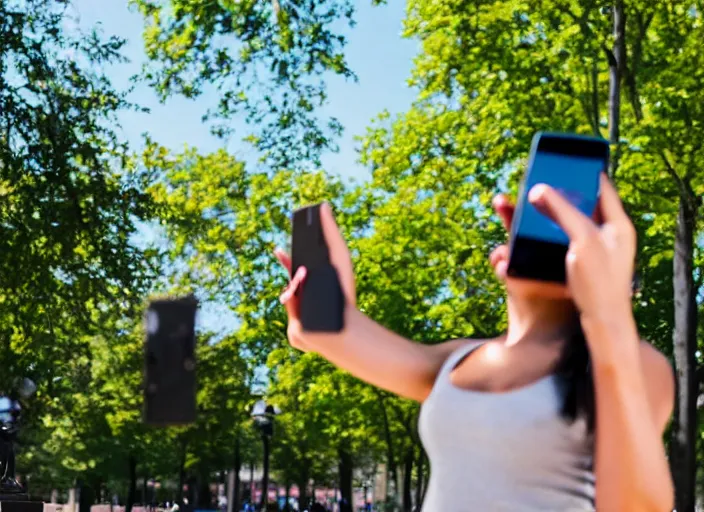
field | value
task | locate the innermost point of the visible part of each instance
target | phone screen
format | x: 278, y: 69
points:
x: 575, y: 177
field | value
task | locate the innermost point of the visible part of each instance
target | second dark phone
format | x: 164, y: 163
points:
x: 170, y: 362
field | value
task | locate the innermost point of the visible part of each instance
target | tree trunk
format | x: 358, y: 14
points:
x: 684, y: 431
x: 86, y: 496
x: 392, y: 471
x: 617, y: 61
x: 237, y: 469
x: 97, y: 487
x: 205, y: 496
x: 193, y: 491
x: 252, y: 489
x: 181, y: 472
x: 266, y: 440
x: 426, y: 479
x: 346, y: 468
x: 408, y: 480
x: 420, y: 464
x: 132, y: 489
x: 303, y: 491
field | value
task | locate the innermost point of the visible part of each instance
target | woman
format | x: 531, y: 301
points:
x: 564, y: 412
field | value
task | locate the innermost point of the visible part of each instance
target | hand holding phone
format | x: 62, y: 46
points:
x: 322, y: 302
x: 572, y: 165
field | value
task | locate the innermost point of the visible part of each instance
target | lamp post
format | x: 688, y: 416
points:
x: 263, y: 415
x: 10, y: 415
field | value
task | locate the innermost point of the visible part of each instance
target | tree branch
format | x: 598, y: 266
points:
x: 595, y: 97
x: 681, y: 185
x: 610, y: 57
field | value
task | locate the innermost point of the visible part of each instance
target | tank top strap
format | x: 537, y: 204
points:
x: 457, y: 356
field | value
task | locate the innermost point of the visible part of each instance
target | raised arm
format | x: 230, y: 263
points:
x: 633, y: 383
x: 364, y: 348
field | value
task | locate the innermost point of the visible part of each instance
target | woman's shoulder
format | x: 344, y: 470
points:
x: 659, y: 381
x: 655, y: 364
x: 447, y: 353
x: 446, y: 348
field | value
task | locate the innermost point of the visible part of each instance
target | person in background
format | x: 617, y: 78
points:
x: 564, y: 411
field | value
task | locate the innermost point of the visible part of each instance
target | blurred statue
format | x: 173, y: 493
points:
x: 9, y: 426
x: 10, y: 409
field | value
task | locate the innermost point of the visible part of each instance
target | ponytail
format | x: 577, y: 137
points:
x: 576, y: 370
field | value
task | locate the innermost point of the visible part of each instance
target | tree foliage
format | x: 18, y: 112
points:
x: 70, y: 197
x: 488, y: 75
x: 268, y: 60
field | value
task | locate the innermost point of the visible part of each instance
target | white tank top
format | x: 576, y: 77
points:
x: 509, y: 451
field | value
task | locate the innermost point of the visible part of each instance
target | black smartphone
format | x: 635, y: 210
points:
x: 321, y: 300
x: 572, y: 164
x: 170, y: 362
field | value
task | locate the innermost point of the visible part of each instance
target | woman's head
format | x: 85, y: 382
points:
x: 527, y: 288
x: 520, y: 288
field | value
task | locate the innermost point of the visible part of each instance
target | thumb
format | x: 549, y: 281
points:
x: 553, y: 204
x: 333, y: 237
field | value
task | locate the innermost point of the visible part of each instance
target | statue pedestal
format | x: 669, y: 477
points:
x: 15, y: 496
x: 19, y: 503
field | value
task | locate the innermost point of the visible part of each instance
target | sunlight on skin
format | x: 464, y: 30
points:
x: 494, y: 353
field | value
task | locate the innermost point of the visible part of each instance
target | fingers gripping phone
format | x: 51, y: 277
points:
x: 170, y: 363
x: 321, y: 300
x: 571, y: 164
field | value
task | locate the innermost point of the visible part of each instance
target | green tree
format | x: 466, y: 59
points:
x: 221, y: 435
x: 71, y: 205
x: 328, y: 421
x: 224, y: 224
x: 268, y: 60
x: 303, y: 452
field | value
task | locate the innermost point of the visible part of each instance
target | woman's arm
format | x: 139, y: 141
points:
x: 632, y: 411
x: 381, y: 357
x: 632, y: 472
x: 364, y: 348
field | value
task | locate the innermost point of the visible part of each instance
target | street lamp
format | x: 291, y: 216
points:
x: 10, y: 416
x: 263, y: 415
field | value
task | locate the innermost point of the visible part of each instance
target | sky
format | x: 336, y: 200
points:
x: 376, y: 52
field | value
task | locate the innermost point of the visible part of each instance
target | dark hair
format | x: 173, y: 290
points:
x: 576, y: 370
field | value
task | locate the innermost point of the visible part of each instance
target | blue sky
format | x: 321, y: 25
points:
x: 376, y: 52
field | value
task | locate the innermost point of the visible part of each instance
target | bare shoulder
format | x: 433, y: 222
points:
x: 443, y: 350
x: 660, y: 383
x: 435, y: 356
x: 656, y: 364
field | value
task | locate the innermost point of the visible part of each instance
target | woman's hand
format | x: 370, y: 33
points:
x: 364, y: 348
x: 339, y: 258
x: 600, y: 259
